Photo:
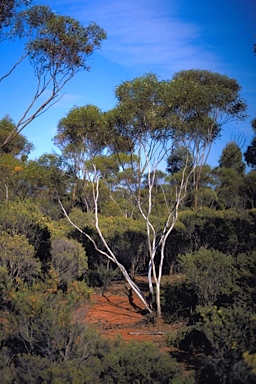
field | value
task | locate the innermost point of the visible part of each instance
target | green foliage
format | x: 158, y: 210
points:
x: 250, y: 360
x: 57, y: 42
x: 206, y: 197
x: 103, y: 276
x: 39, y: 179
x: 223, y: 335
x: 250, y: 153
x: 10, y: 169
x: 63, y: 228
x: 44, y: 338
x: 215, y: 97
x: 231, y: 189
x: 18, y: 217
x: 69, y: 259
x: 245, y: 265
x: 43, y: 180
x: 250, y: 189
x: 17, y: 257
x: 80, y: 133
x: 228, y: 231
x: 178, y: 159
x: 58, y: 47
x: 140, y: 363
x: 131, y: 249
x: 179, y: 301
x: 25, y: 218
x: 36, y: 369
x: 209, y: 272
x: 19, y: 145
x: 8, y: 11
x: 231, y: 157
x: 43, y: 321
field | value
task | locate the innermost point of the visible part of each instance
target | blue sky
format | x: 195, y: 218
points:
x: 159, y: 36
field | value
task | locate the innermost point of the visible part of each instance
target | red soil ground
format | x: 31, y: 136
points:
x: 116, y: 314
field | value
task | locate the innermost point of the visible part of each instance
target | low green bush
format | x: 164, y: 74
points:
x: 219, y: 339
x: 210, y: 272
x: 178, y: 301
x: 103, y: 277
x: 139, y: 363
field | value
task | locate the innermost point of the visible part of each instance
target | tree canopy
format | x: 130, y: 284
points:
x: 250, y: 154
x: 57, y: 47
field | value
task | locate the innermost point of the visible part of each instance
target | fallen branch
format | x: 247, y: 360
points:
x: 147, y: 333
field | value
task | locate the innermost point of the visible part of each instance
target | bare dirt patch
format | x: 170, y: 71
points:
x: 117, y: 313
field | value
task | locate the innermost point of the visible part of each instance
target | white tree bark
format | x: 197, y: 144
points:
x: 108, y: 253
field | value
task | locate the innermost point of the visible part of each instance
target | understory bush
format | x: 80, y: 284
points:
x: 209, y: 272
x: 179, y: 301
x: 44, y: 338
x: 221, y: 338
x: 141, y: 363
x: 103, y: 277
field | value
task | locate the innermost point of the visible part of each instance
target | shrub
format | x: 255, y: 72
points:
x: 209, y: 272
x: 103, y: 277
x: 140, y: 363
x: 43, y: 321
x: 17, y: 257
x: 246, y: 279
x: 178, y: 301
x: 68, y: 259
x: 222, y: 336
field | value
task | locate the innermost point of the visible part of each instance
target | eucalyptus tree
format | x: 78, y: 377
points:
x: 19, y: 147
x: 177, y: 159
x: 57, y: 48
x: 205, y: 103
x: 8, y: 11
x: 250, y: 188
x: 231, y: 176
x: 42, y: 180
x: 187, y: 112
x: 250, y: 153
x: 232, y: 157
x: 154, y: 117
x: 12, y: 159
x: 81, y: 137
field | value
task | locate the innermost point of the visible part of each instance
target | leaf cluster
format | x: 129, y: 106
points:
x: 57, y: 43
x: 222, y: 336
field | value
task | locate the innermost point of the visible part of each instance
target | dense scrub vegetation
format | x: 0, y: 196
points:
x: 131, y: 193
x: 48, y: 270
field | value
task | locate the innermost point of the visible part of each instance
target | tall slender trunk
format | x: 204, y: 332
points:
x: 158, y: 300
x: 109, y: 254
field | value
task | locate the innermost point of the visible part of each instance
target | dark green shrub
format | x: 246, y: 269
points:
x: 33, y: 369
x: 103, y: 277
x: 178, y: 301
x: 140, y: 363
x: 220, y: 338
x: 131, y: 249
x: 209, y: 272
x: 25, y: 218
x: 44, y: 321
x: 246, y: 280
x: 69, y: 259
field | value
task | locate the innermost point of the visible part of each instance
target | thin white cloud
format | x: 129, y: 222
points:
x: 146, y: 33
x: 68, y: 99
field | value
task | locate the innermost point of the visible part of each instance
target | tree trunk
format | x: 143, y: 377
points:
x: 158, y: 301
